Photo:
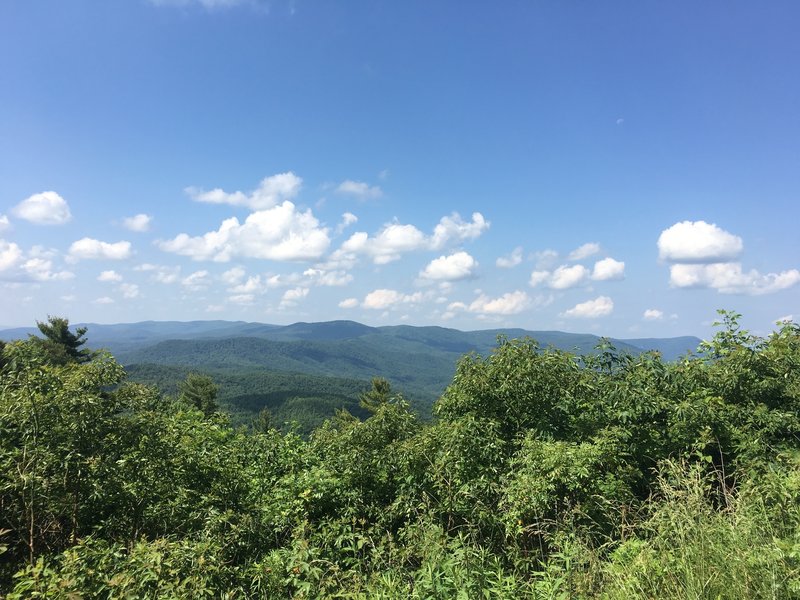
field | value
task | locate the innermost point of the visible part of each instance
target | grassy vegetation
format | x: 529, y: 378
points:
x: 543, y: 475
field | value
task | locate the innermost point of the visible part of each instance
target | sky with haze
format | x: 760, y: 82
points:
x: 623, y: 168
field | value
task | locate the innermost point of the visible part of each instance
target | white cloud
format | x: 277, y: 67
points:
x: 512, y: 260
x: 88, y: 248
x: 334, y: 278
x: 4, y: 223
x: 292, y: 297
x: 566, y: 277
x: 601, y: 306
x: 359, y: 189
x: 199, y: 280
x: 728, y: 278
x: 109, y: 276
x: 280, y: 233
x: 510, y: 303
x: 138, y: 223
x: 348, y: 219
x: 545, y: 259
x: 538, y: 277
x: 243, y: 299
x: 608, y: 269
x: 129, y: 290
x: 450, y: 268
x: 270, y: 192
x: 160, y: 274
x: 46, y: 208
x: 584, y: 251
x: 348, y: 303
x: 698, y: 242
x: 395, y: 239
x: 454, y: 228
x: 382, y: 298
x: 252, y: 285
x: 233, y: 276
x: 10, y: 254
x: 41, y: 269
x: 103, y: 300
x: 653, y: 314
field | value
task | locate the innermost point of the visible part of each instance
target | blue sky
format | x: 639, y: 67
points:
x: 623, y: 168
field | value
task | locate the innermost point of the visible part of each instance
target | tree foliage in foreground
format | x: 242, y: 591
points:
x: 544, y: 475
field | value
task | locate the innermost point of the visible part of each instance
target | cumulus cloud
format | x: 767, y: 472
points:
x: 46, y: 208
x: 41, y: 269
x: 233, y: 276
x: 383, y: 298
x: 109, y: 276
x: 139, y: 223
x: 538, y: 277
x: 698, y: 242
x: 608, y: 269
x: 281, y: 233
x: 510, y: 303
x: 199, y: 280
x: 4, y: 223
x: 292, y: 297
x: 653, y: 314
x: 348, y: 219
x: 454, y: 228
x: 729, y: 278
x: 512, y: 260
x: 270, y: 192
x: 334, y: 278
x: 348, y: 303
x: 10, y: 255
x: 103, y: 300
x: 599, y: 307
x: 359, y: 189
x: 243, y: 299
x: 584, y: 251
x: 395, y: 239
x: 129, y: 290
x: 160, y: 273
x: 88, y: 248
x: 566, y: 277
x: 450, y: 268
x: 252, y: 285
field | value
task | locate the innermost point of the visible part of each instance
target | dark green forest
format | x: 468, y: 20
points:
x: 541, y: 474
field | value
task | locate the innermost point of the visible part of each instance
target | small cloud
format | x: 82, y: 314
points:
x: 233, y: 276
x: 10, y: 255
x: 243, y: 299
x: 620, y: 121
x: 46, y: 208
x: 601, y: 306
x: 608, y: 269
x: 139, y: 223
x: 653, y: 314
x: 383, y: 298
x: 348, y: 303
x: 348, y: 219
x: 270, y: 192
x: 103, y: 300
x: 698, y: 242
x: 450, y: 268
x: 199, y: 280
x: 510, y: 303
x: 112, y: 276
x: 584, y: 251
x: 4, y: 223
x: 292, y: 297
x: 512, y: 260
x: 566, y: 277
x: 88, y: 248
x: 129, y: 290
x: 215, y: 308
x: 545, y: 259
x: 359, y: 189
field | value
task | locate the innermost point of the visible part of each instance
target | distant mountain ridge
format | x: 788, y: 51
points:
x: 318, y: 362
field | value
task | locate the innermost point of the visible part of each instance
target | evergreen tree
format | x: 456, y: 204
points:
x: 61, y: 345
x: 199, y: 391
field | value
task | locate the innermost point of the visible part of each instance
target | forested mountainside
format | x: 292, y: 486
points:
x: 544, y: 474
x: 265, y: 366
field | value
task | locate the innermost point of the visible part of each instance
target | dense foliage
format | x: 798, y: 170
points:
x: 543, y: 475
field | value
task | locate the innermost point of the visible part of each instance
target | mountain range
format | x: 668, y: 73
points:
x: 322, y: 364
